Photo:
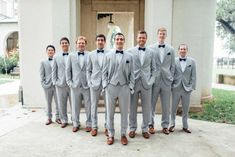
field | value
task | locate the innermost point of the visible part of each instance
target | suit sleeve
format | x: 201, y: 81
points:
x: 68, y: 71
x: 153, y: 69
x: 42, y: 74
x: 105, y: 72
x: 132, y: 75
x: 54, y: 73
x: 89, y: 70
x: 172, y: 63
x: 193, y: 78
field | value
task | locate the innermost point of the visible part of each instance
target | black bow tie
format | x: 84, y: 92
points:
x: 50, y: 59
x: 182, y: 59
x: 80, y: 53
x: 100, y: 51
x: 140, y: 48
x: 159, y: 46
x: 121, y: 52
x: 65, y: 54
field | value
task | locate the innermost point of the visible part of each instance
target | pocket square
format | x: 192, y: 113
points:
x: 189, y: 66
x: 127, y: 61
x: 168, y: 53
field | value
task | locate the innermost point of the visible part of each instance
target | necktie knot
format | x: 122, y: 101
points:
x: 121, y: 52
x: 100, y: 51
x: 159, y: 46
x: 65, y: 54
x: 80, y: 53
x: 140, y: 48
x: 50, y: 59
x: 182, y: 59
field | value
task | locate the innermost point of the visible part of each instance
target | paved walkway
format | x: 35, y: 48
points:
x: 24, y: 134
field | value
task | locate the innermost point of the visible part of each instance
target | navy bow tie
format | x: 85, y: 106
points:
x: 100, y: 51
x: 182, y: 59
x: 65, y: 54
x: 50, y: 59
x: 80, y: 53
x: 140, y: 48
x: 121, y: 52
x: 159, y: 46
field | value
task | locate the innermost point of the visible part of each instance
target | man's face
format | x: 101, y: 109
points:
x: 183, y: 50
x: 100, y: 42
x: 141, y: 39
x: 50, y: 52
x: 81, y: 45
x: 64, y: 45
x: 161, y: 36
x: 119, y: 42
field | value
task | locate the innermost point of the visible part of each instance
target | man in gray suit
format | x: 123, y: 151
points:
x: 47, y: 85
x: 164, y: 56
x: 94, y: 78
x: 58, y: 79
x: 144, y: 70
x: 77, y: 80
x: 118, y: 81
x: 184, y: 83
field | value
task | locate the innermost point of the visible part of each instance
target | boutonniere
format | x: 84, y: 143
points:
x: 127, y: 61
x: 168, y: 53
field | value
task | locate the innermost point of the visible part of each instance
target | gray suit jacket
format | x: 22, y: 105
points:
x: 58, y: 71
x: 124, y: 70
x: 75, y: 74
x: 146, y: 72
x: 166, y: 69
x: 188, y: 77
x: 94, y: 70
x: 45, y: 73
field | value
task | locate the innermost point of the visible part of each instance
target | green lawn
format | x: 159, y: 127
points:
x: 2, y: 81
x: 221, y: 109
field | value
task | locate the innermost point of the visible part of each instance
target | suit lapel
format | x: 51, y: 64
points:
x: 177, y: 62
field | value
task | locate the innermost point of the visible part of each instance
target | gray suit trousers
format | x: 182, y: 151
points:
x: 95, y: 96
x: 180, y: 94
x: 49, y: 94
x: 123, y: 95
x: 63, y: 94
x: 165, y: 93
x: 77, y: 94
x: 145, y: 95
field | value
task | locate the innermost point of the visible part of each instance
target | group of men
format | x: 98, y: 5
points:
x: 142, y: 72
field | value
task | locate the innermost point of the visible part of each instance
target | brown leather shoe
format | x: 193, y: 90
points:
x: 58, y: 121
x: 124, y: 140
x: 106, y: 132
x: 75, y: 129
x: 151, y: 130
x: 110, y: 140
x: 145, y: 135
x: 88, y: 129
x: 48, y: 122
x: 172, y: 129
x: 132, y: 134
x: 165, y: 131
x: 94, y: 132
x: 63, y: 125
x: 187, y: 130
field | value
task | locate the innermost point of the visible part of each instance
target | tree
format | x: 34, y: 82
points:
x: 225, y: 16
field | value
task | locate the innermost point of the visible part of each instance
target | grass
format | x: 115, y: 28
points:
x: 221, y: 109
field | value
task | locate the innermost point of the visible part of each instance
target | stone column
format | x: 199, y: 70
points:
x: 193, y: 24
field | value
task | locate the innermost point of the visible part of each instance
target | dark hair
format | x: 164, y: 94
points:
x: 50, y: 46
x: 100, y: 36
x: 64, y: 38
x: 119, y: 34
x: 142, y: 32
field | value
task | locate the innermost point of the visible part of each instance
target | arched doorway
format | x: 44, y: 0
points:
x: 126, y: 14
